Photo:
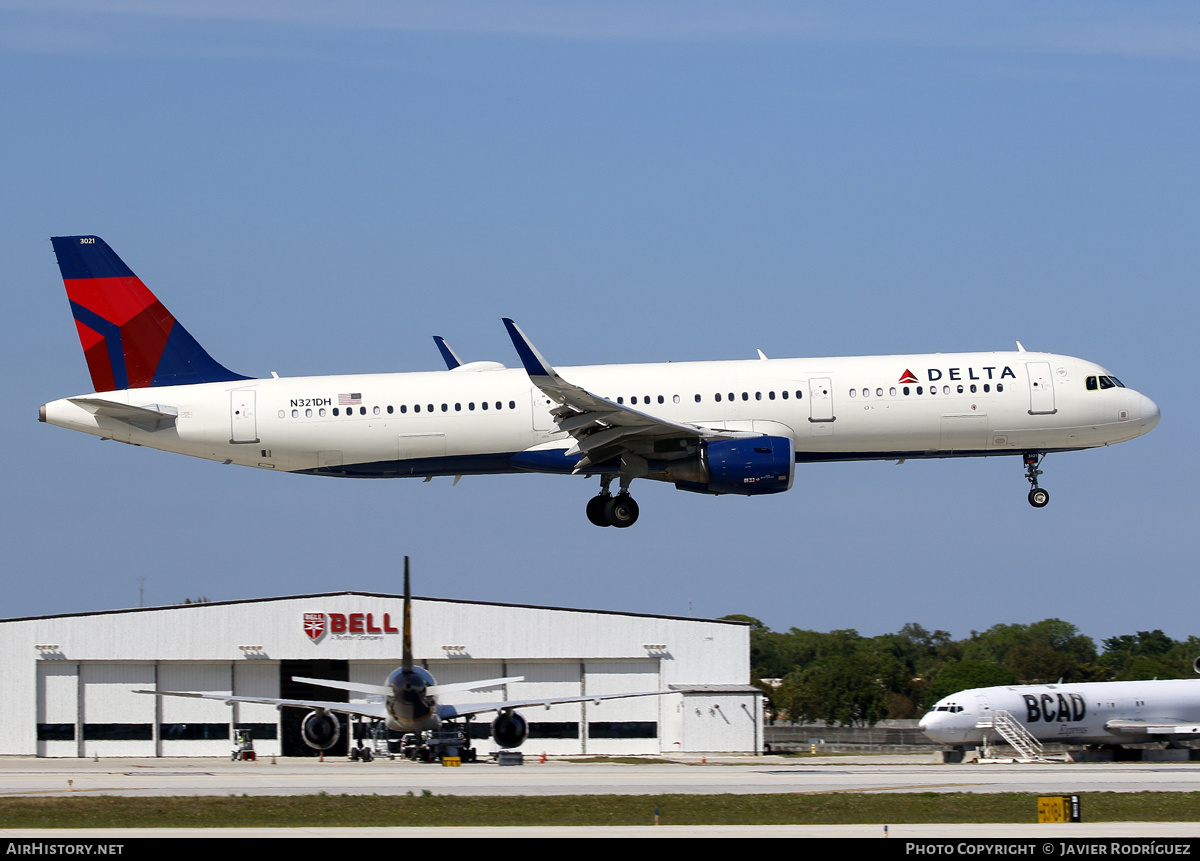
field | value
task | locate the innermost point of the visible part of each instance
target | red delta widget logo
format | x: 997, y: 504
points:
x: 317, y: 625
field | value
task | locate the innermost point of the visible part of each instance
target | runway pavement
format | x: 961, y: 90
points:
x: 763, y: 774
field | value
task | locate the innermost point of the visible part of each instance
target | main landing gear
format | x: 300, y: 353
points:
x: 604, y: 509
x: 1037, y: 497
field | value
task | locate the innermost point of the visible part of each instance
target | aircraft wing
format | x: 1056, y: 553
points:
x: 367, y: 710
x: 601, y: 428
x: 449, y: 712
x: 1154, y: 727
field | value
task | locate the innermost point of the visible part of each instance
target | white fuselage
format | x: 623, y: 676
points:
x: 436, y: 423
x: 1081, y: 713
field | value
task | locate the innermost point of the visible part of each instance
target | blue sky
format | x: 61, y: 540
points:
x: 318, y: 188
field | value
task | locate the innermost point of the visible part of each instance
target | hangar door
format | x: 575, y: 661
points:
x: 628, y: 726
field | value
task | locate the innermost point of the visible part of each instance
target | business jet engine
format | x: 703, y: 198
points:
x: 509, y: 729
x: 320, y: 729
x: 747, y: 467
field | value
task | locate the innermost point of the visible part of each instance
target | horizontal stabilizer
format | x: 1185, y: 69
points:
x: 361, y: 688
x: 438, y: 690
x: 151, y: 417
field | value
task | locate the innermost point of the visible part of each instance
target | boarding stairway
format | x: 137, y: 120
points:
x: 1028, y: 748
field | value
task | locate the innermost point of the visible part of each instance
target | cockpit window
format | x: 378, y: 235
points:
x: 1107, y: 382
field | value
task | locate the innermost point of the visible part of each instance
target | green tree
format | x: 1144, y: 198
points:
x: 842, y: 689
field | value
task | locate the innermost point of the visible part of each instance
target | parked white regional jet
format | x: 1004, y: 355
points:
x: 409, y: 700
x: 1110, y: 713
x: 737, y: 427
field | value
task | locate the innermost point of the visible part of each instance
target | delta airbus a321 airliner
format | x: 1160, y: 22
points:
x: 732, y: 427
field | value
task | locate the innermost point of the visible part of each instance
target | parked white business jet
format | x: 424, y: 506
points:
x: 409, y: 701
x: 734, y: 427
x: 1087, y: 713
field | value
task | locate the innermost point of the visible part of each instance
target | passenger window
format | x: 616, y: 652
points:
x: 892, y: 391
x: 745, y: 396
x: 697, y: 399
x: 281, y: 414
x: 295, y: 414
x: 362, y: 411
x: 758, y: 396
x: 390, y: 409
x: 879, y: 393
x: 512, y: 405
x: 973, y: 388
x: 375, y: 410
x: 999, y: 387
x: 784, y: 394
x: 458, y: 408
x: 771, y: 395
x: 718, y: 397
x: 986, y: 387
x: 321, y: 412
x: 404, y: 408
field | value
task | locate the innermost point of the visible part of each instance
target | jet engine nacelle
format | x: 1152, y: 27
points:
x: 748, y: 467
x: 320, y: 729
x: 509, y: 729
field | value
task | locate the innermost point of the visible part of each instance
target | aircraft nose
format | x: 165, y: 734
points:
x: 1150, y: 414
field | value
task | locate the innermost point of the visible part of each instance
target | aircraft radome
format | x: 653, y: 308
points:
x: 409, y: 701
x: 729, y: 427
x: 1097, y: 713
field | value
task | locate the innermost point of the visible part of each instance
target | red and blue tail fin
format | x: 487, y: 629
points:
x: 129, y: 339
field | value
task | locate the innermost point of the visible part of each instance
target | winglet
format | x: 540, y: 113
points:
x: 452, y: 361
x: 535, y: 365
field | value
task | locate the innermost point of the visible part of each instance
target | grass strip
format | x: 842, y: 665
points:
x: 429, y: 810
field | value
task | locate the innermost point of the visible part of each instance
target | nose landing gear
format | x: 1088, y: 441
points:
x: 1037, y: 496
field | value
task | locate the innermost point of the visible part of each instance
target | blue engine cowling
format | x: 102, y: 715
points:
x: 321, y: 730
x: 509, y: 729
x: 765, y: 464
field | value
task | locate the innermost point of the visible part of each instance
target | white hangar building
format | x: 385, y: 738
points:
x: 69, y: 680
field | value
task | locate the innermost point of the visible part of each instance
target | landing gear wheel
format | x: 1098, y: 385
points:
x: 621, y: 511
x: 595, y: 510
x: 1037, y: 497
